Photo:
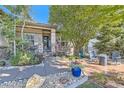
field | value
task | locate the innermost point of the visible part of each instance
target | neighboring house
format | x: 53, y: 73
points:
x: 42, y: 35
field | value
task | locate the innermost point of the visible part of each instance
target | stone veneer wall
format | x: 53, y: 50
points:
x: 39, y: 41
x: 53, y: 41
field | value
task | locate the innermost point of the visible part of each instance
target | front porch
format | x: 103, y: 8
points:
x: 43, y: 36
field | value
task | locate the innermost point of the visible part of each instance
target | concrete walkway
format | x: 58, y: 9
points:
x: 49, y: 66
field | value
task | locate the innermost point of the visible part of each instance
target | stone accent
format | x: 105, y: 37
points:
x: 14, y: 84
x: 58, y: 80
x: 113, y: 84
x: 64, y: 80
x: 120, y: 76
x: 35, y: 81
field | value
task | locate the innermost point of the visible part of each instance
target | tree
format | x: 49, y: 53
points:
x: 111, y: 33
x: 111, y: 38
x: 78, y: 24
x: 18, y: 14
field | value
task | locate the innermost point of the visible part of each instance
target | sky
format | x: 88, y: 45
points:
x: 39, y: 13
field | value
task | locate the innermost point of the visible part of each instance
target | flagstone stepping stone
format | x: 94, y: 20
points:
x: 35, y: 81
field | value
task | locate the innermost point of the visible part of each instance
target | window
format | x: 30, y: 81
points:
x: 29, y: 37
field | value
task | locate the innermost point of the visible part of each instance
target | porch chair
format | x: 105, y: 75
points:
x: 116, y: 57
x: 93, y: 57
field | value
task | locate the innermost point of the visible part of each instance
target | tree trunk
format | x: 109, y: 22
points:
x: 22, y: 31
x: 84, y: 50
x: 14, y: 48
x: 76, y: 51
x: 14, y: 39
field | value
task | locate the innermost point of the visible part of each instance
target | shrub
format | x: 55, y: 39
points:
x: 15, y: 59
x: 71, y: 57
x: 73, y: 64
x: 39, y: 56
x: 2, y: 63
x: 24, y: 58
x: 34, y: 59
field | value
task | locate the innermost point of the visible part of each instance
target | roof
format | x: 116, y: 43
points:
x: 29, y: 22
x: 40, y: 24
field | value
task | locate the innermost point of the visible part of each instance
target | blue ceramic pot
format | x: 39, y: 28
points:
x: 76, y: 71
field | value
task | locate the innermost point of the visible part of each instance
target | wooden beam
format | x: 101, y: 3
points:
x: 37, y: 27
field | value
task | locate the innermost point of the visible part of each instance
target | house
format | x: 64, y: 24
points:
x: 43, y: 35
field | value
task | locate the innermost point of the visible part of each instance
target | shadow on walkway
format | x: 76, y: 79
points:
x: 47, y: 68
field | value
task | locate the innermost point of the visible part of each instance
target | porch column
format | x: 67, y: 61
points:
x: 39, y: 41
x: 53, y: 40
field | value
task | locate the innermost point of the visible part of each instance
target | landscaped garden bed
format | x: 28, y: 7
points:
x: 23, y: 58
x: 89, y: 84
x: 58, y: 80
x: 100, y: 80
x: 65, y: 79
x: 109, y: 80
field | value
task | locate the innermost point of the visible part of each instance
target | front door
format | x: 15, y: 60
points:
x: 46, y: 43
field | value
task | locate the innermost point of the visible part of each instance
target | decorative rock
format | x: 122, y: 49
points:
x: 35, y: 81
x: 120, y: 76
x: 63, y: 80
x: 113, y: 84
x: 14, y: 84
x: 59, y: 80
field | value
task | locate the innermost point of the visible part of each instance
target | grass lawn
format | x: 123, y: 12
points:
x: 89, y: 84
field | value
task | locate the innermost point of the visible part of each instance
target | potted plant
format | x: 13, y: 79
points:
x: 75, y: 67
